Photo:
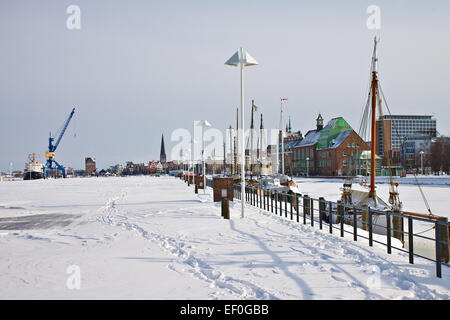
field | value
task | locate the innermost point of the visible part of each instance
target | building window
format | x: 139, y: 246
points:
x: 344, y: 163
x: 344, y: 153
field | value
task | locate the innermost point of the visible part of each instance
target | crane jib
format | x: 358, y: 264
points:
x: 50, y: 155
x: 63, y: 130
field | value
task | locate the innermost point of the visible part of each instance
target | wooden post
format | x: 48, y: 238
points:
x: 311, y: 210
x: 397, y: 225
x: 196, y: 188
x: 298, y: 206
x: 388, y: 232
x: 285, y: 205
x: 340, y: 211
x: 260, y: 198
x: 444, y: 240
x: 226, y: 208
x: 280, y: 202
x: 264, y: 198
x: 271, y: 201
x: 410, y: 240
x: 276, y: 202
x: 355, y: 225
x: 370, y: 228
x: 321, y: 211
x: 365, y: 217
x: 291, y: 199
x: 437, y: 238
x: 330, y: 215
x: 305, y: 208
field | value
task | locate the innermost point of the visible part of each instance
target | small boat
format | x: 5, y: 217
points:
x: 278, y: 183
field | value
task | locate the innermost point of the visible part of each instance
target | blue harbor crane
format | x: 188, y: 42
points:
x: 50, y: 155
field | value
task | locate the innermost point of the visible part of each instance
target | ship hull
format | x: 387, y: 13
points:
x: 32, y: 176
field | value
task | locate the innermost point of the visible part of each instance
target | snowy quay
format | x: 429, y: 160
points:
x: 149, y: 237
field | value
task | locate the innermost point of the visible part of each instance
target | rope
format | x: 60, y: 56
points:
x: 423, y: 195
x: 433, y: 227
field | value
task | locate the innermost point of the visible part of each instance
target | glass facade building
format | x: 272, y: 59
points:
x: 396, y: 129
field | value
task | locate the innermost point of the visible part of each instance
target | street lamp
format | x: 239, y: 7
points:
x: 242, y: 59
x: 204, y: 123
x: 421, y: 159
x: 307, y: 166
x: 193, y: 141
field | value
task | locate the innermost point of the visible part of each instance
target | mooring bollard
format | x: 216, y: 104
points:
x: 225, y: 204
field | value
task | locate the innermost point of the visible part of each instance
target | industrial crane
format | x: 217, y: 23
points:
x: 50, y: 155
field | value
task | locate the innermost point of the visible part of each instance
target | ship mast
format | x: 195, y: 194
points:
x: 374, y: 86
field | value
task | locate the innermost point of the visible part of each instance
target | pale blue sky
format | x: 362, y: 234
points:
x: 137, y: 69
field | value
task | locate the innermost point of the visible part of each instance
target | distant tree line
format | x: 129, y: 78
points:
x: 440, y: 155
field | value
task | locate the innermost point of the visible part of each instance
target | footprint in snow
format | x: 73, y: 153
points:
x: 338, y: 278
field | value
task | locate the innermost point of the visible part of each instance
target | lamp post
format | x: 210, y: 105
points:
x: 204, y: 123
x: 242, y: 59
x: 193, y: 141
x: 421, y: 160
x: 307, y: 166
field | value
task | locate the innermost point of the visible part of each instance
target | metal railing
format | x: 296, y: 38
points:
x: 335, y: 215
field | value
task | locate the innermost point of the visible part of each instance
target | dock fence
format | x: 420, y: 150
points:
x: 335, y: 215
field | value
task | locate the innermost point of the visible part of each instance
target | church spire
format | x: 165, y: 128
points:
x: 162, y: 155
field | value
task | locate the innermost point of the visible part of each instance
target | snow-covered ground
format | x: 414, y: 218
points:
x: 153, y: 238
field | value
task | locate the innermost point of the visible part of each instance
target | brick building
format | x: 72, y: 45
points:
x: 90, y: 166
x: 327, y: 151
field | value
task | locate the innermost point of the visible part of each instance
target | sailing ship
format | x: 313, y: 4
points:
x: 370, y: 198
